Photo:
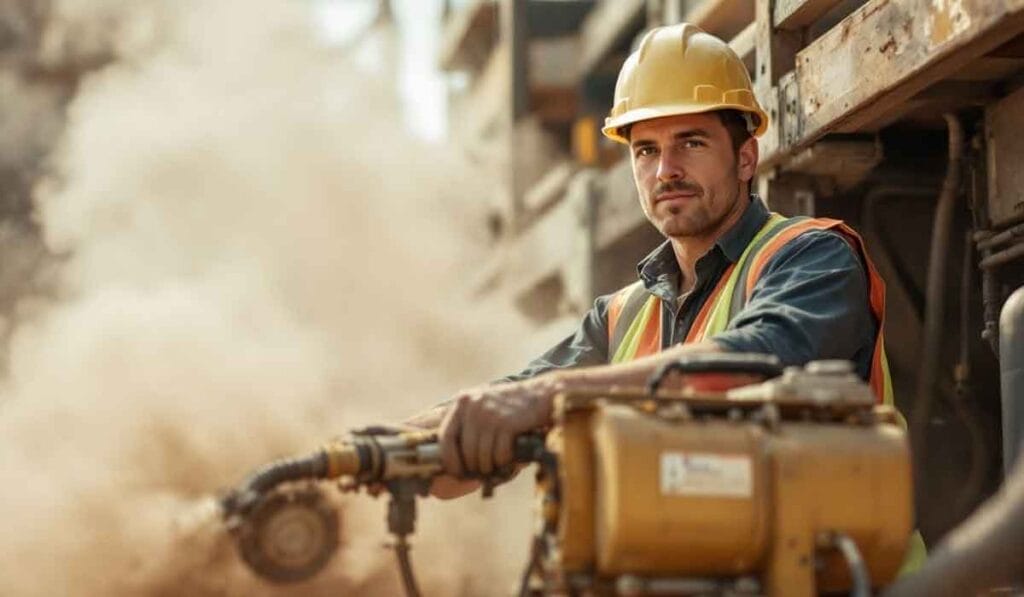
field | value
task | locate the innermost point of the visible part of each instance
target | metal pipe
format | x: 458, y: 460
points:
x: 987, y: 240
x: 990, y: 301
x: 935, y: 303
x: 985, y: 552
x: 1011, y: 373
x: 875, y: 197
x: 1003, y: 257
x: 858, y: 570
x: 974, y: 484
x: 990, y: 292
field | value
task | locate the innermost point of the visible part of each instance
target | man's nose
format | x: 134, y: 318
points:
x: 669, y: 167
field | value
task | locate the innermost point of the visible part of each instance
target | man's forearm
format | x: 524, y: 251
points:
x: 429, y: 419
x: 634, y: 373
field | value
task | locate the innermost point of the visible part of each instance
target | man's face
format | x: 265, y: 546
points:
x: 689, y: 177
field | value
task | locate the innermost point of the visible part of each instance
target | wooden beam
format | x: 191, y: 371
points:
x: 607, y: 26
x: 745, y: 45
x: 619, y: 212
x: 515, y: 37
x: 776, y: 50
x: 774, y: 57
x: 795, y: 14
x: 844, y: 161
x: 540, y: 251
x: 1004, y: 122
x: 481, y: 107
x: 887, y: 52
x: 556, y: 19
x: 724, y: 18
x: 468, y: 36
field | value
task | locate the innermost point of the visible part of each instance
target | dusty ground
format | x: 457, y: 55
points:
x: 255, y: 257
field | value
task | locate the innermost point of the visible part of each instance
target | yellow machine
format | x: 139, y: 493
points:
x: 795, y: 486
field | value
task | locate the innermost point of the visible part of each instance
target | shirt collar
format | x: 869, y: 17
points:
x: 661, y: 265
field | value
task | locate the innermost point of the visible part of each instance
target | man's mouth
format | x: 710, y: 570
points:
x: 674, y: 195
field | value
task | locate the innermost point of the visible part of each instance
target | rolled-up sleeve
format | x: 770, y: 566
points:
x: 587, y: 346
x: 811, y: 302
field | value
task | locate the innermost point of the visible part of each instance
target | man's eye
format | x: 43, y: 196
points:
x: 644, y: 151
x: 693, y: 143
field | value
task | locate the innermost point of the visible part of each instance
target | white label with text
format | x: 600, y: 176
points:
x: 705, y: 474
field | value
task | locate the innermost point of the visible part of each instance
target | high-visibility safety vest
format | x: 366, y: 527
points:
x: 634, y: 315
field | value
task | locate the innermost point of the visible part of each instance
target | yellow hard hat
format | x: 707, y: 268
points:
x: 680, y: 69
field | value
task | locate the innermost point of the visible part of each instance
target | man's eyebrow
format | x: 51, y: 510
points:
x: 688, y: 134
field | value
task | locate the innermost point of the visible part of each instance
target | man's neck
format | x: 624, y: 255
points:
x: 689, y: 249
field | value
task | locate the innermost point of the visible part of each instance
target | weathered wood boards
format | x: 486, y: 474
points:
x: 604, y: 28
x: 794, y: 14
x: 881, y: 56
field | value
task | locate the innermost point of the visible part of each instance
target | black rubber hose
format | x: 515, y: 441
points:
x: 405, y: 567
x: 935, y: 304
x: 273, y: 474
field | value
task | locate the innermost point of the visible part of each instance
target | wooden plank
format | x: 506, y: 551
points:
x: 776, y: 50
x: 555, y: 19
x: 550, y: 188
x: 745, y: 45
x: 1004, y: 122
x: 795, y: 14
x: 540, y: 251
x: 844, y: 161
x: 482, y: 106
x: 775, y: 57
x: 724, y: 18
x: 515, y: 37
x: 888, y: 51
x: 468, y: 35
x: 619, y: 212
x: 607, y: 26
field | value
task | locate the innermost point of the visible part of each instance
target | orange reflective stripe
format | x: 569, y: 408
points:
x: 650, y: 338
x: 879, y: 375
x: 615, y: 310
x: 789, y: 233
x: 644, y: 334
x: 700, y: 323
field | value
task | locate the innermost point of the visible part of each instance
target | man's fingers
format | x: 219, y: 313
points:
x: 485, y: 452
x: 446, y: 487
x: 502, y: 449
x: 449, y: 438
x: 468, y: 440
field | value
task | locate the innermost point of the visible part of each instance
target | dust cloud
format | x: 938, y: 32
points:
x: 257, y: 258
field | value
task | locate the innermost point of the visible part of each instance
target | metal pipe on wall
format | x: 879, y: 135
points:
x: 935, y: 295
x: 1011, y: 374
x: 985, y: 552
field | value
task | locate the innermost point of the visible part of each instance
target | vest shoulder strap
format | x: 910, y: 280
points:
x: 756, y: 255
x: 624, y: 308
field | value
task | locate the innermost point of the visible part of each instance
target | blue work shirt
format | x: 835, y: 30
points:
x: 811, y: 302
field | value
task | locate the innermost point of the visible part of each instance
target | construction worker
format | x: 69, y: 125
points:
x: 730, y: 276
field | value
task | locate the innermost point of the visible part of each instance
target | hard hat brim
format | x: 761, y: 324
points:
x: 612, y: 126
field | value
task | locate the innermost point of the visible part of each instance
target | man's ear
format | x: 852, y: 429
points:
x: 746, y: 159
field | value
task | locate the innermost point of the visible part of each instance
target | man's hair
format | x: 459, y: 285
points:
x: 734, y: 121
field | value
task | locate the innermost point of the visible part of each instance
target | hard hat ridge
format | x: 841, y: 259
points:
x: 680, y: 69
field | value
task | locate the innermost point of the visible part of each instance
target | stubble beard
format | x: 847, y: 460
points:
x: 702, y: 219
